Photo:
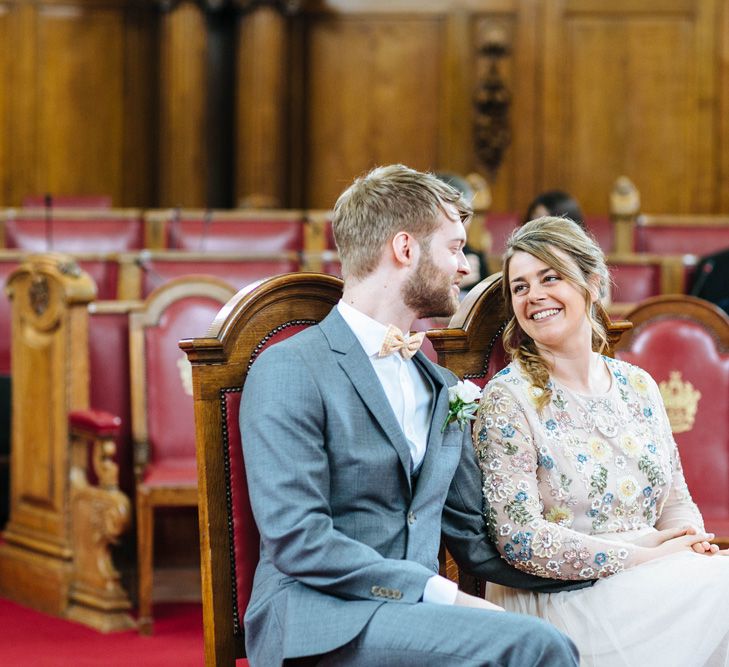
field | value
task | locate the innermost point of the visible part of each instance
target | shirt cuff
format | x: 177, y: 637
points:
x: 440, y: 590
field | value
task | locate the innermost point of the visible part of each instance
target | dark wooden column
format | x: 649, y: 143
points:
x: 263, y: 85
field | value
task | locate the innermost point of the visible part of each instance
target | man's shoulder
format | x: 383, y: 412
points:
x: 302, y: 345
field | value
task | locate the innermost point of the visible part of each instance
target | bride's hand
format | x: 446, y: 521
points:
x: 672, y: 540
x: 703, y: 547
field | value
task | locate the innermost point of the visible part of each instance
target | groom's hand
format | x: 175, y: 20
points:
x: 466, y: 600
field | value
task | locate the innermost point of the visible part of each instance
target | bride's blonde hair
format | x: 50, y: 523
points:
x: 541, y: 238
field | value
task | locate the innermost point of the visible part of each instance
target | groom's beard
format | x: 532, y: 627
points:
x: 429, y: 291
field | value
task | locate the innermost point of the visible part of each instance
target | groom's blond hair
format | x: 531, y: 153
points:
x: 388, y: 200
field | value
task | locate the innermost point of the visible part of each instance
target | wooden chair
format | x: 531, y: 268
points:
x: 471, y: 347
x: 254, y: 319
x: 162, y: 415
x: 683, y: 342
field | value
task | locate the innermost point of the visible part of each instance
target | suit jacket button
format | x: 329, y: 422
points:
x: 376, y: 590
x: 398, y: 595
x: 411, y: 518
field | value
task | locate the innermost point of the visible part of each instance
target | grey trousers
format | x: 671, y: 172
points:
x: 430, y: 635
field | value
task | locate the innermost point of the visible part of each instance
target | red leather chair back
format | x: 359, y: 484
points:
x: 690, y: 336
x: 170, y: 417
x: 601, y: 227
x: 500, y: 226
x: 680, y: 239
x: 266, y: 234
x: 75, y: 232
x: 634, y: 282
x: 109, y: 385
x: 242, y: 526
x: 158, y: 268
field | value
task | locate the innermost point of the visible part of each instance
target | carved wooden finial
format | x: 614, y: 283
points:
x: 624, y: 198
x: 492, y: 130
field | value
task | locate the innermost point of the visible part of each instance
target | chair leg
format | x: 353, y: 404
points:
x: 145, y: 556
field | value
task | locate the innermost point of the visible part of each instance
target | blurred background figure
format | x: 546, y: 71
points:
x: 555, y: 202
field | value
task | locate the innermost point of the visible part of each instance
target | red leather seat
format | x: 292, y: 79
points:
x: 687, y: 336
x: 256, y: 318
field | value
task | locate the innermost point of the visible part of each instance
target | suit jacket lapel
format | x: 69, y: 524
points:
x: 357, y: 366
x: 438, y: 415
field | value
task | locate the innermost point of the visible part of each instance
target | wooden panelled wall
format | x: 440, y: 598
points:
x: 189, y: 106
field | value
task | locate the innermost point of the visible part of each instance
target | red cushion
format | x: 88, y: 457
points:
x: 601, y: 227
x: 238, y: 272
x: 672, y: 343
x: 500, y: 226
x: 680, y: 240
x: 102, y: 424
x: 109, y: 382
x: 29, y: 231
x: 170, y: 418
x: 171, y: 472
x: 247, y: 236
x: 634, y: 282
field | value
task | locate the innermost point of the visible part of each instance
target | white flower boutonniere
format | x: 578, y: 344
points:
x: 463, y: 400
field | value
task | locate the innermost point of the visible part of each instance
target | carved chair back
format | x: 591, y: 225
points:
x: 163, y: 428
x: 254, y: 319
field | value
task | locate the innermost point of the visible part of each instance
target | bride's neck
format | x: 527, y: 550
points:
x: 585, y: 373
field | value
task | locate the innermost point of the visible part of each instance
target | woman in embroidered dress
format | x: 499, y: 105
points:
x: 582, y: 478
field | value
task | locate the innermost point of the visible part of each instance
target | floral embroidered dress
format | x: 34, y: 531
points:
x: 569, y: 489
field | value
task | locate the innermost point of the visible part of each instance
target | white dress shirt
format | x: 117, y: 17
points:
x: 411, y: 399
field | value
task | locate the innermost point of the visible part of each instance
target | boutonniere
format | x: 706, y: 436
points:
x: 463, y: 400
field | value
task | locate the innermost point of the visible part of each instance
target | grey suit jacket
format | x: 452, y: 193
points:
x: 344, y: 527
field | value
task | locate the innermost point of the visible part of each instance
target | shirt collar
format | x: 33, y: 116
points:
x: 370, y: 333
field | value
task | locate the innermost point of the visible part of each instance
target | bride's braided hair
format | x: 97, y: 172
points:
x: 551, y: 240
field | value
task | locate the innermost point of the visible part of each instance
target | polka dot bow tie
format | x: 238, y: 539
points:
x: 395, y: 341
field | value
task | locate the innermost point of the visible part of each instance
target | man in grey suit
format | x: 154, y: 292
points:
x: 351, y: 476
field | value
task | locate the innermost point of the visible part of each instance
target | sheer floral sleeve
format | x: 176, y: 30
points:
x: 679, y: 508
x: 532, y: 540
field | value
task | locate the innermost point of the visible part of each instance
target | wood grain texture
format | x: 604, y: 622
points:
x: 182, y: 95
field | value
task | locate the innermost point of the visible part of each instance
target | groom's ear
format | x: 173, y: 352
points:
x: 405, y: 248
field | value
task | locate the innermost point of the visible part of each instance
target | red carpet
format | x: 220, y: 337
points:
x: 30, y: 639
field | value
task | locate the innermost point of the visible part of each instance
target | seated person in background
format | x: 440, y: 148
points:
x: 556, y: 203
x: 711, y: 279
x: 475, y: 258
x: 353, y: 475
x: 582, y: 477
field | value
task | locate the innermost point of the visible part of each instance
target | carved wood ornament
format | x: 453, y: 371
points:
x: 492, y: 100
